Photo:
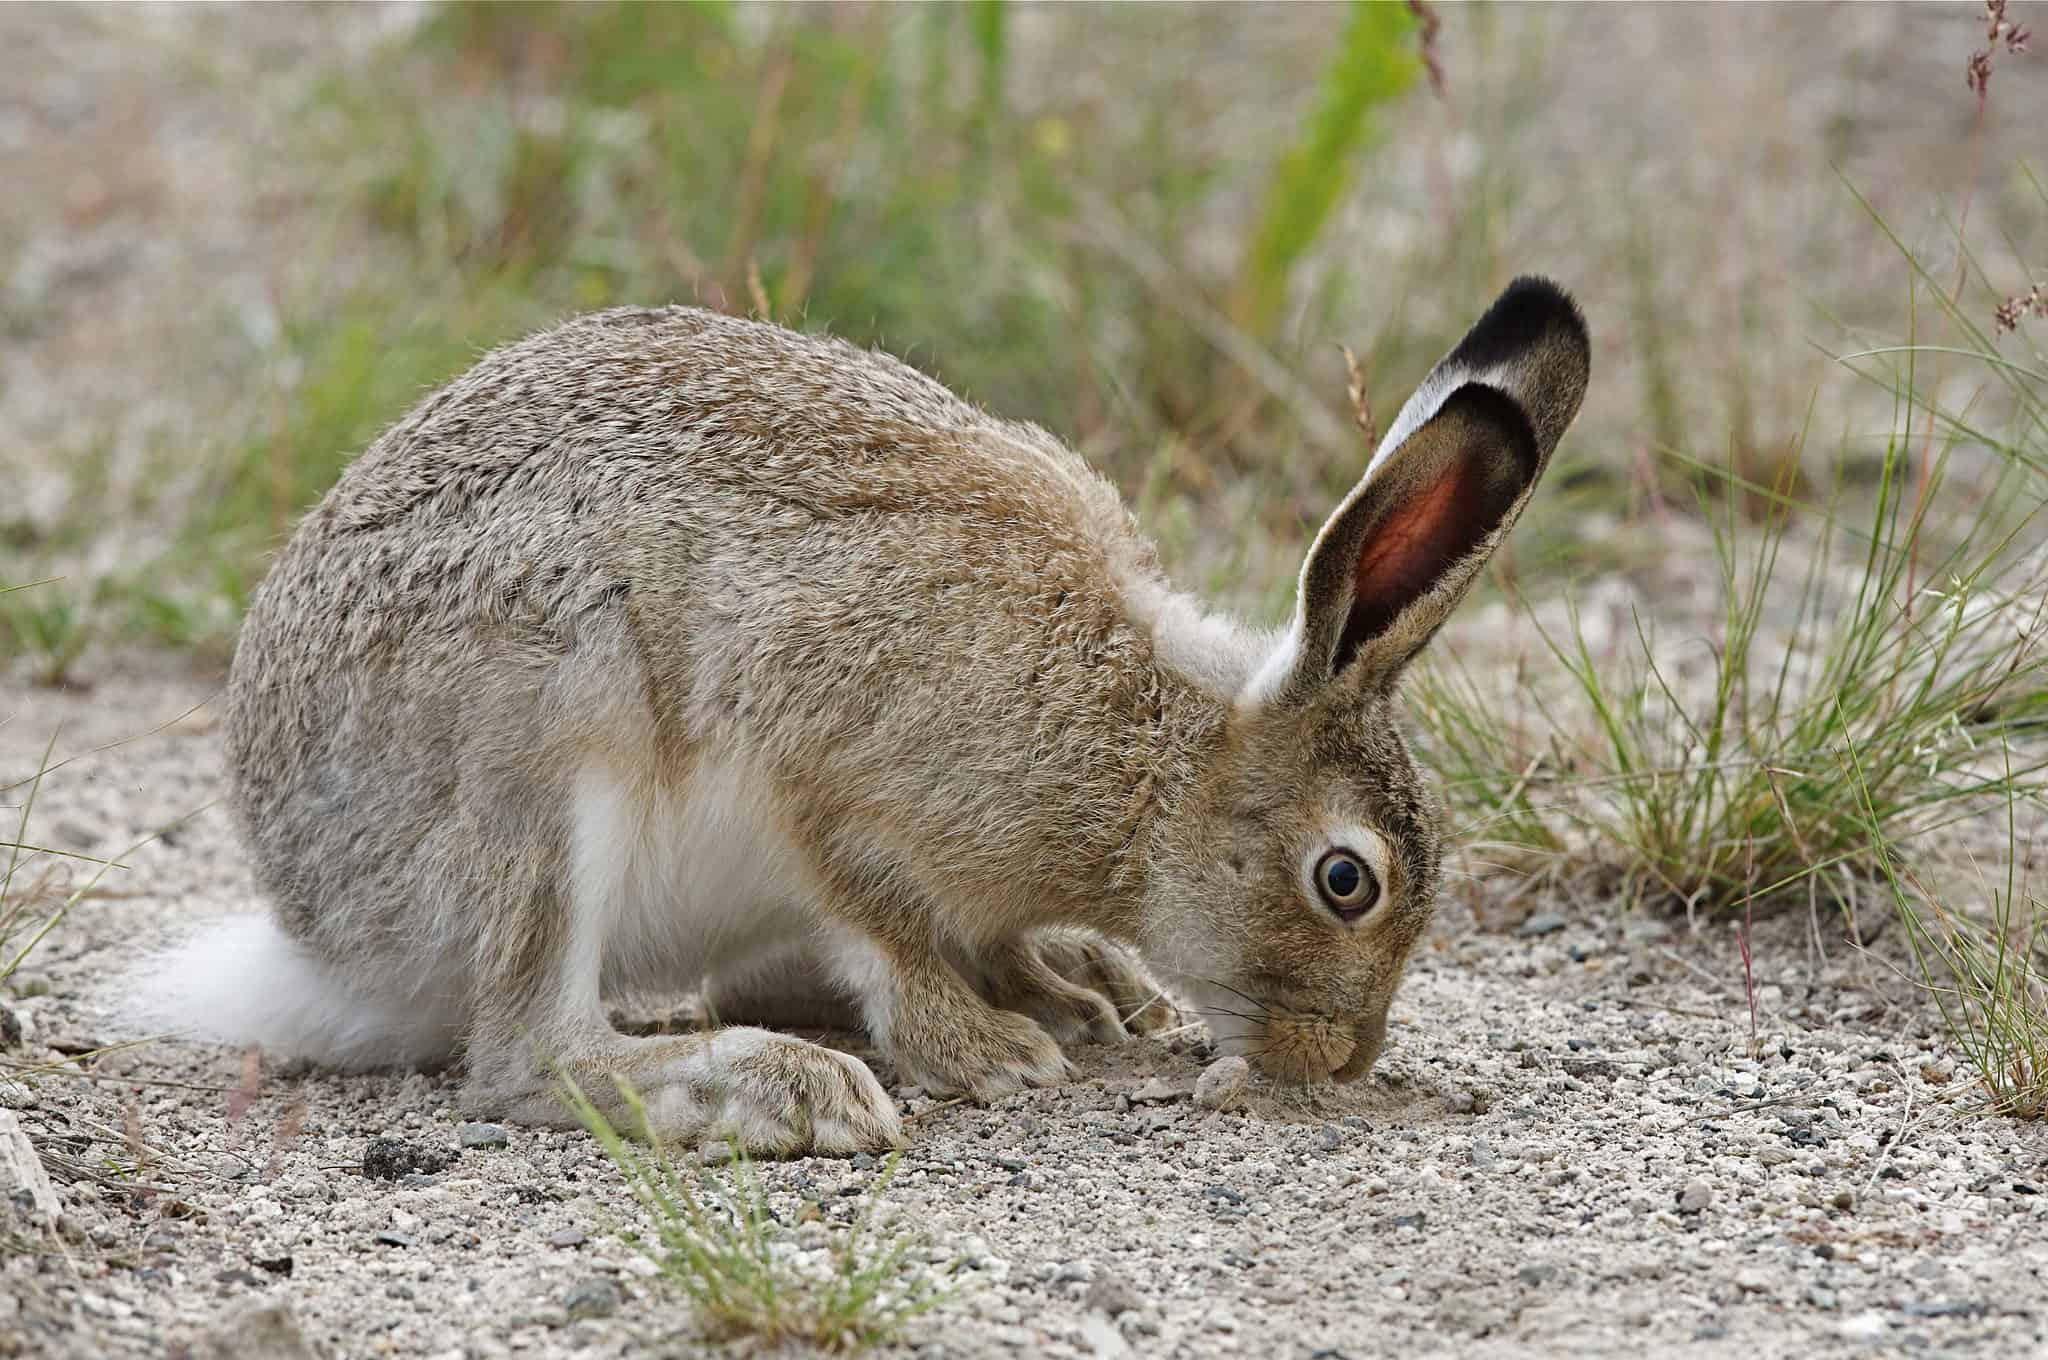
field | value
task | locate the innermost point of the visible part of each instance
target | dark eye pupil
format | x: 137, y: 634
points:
x: 1342, y: 876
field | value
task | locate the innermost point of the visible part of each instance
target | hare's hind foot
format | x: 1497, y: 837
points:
x: 771, y: 1094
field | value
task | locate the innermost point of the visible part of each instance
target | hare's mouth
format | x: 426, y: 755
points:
x: 1305, y: 1048
x: 1286, y: 1043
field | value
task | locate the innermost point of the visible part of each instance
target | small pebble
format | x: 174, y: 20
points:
x: 1542, y: 923
x: 1329, y: 1138
x: 390, y: 1159
x: 482, y: 1136
x: 567, y: 1237
x: 1223, y: 1083
x: 1112, y: 1294
x: 593, y: 1298
x: 1695, y: 1197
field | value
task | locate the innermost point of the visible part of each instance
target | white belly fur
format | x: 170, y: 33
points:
x: 671, y: 886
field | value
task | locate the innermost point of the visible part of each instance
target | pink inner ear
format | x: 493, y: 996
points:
x: 1409, y: 550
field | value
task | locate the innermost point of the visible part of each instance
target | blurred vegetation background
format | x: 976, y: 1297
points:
x: 254, y: 237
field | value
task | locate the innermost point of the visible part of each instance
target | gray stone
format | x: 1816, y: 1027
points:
x: 1112, y: 1294
x: 1329, y: 1138
x: 22, y: 1179
x: 1223, y: 1083
x: 567, y: 1237
x: 482, y: 1136
x: 1695, y: 1197
x: 1542, y: 923
x: 593, y: 1298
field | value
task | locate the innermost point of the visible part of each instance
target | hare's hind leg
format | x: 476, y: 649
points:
x: 791, y: 988
x: 770, y: 1093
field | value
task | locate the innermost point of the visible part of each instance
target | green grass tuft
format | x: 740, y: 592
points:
x: 1719, y: 772
x: 717, y: 1241
x: 1988, y: 972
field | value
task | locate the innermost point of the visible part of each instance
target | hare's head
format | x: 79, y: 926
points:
x: 1294, y: 877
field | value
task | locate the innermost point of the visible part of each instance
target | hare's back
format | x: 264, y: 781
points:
x: 644, y: 413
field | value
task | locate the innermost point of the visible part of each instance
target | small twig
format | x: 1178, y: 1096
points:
x: 66, y: 1069
x: 934, y: 1109
x: 1426, y: 26
x: 1803, y: 1098
x: 108, y: 746
x: 1675, y: 1010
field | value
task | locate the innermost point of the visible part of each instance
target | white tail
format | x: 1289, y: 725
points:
x: 241, y: 980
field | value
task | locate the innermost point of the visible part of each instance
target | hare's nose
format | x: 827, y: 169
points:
x: 1370, y: 1038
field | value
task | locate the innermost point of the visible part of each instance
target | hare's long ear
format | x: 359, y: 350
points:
x: 1440, y: 493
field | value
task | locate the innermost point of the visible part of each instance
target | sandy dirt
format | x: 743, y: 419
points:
x: 1574, y: 1146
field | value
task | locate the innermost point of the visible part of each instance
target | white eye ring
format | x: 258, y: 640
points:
x: 1346, y: 874
x: 1347, y: 883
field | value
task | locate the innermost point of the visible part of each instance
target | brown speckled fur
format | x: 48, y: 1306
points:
x: 646, y: 539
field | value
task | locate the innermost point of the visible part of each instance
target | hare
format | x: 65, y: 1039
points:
x: 665, y: 645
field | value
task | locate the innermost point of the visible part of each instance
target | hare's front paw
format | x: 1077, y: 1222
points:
x: 1061, y: 979
x: 956, y: 1042
x: 1110, y: 974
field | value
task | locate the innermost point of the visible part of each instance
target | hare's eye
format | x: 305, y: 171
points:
x: 1347, y: 884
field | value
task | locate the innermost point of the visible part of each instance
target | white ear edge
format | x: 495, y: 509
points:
x: 1421, y: 406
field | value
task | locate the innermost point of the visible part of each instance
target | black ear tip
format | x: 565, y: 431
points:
x: 1530, y: 312
x: 1543, y: 298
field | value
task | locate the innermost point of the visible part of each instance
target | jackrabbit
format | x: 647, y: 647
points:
x: 664, y: 645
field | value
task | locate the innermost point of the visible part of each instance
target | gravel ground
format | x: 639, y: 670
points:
x: 1570, y: 1148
